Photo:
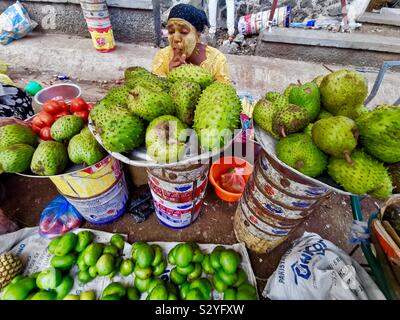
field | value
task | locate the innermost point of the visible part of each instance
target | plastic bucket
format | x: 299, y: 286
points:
x: 105, y: 208
x: 178, y: 193
x: 103, y: 39
x: 94, y: 23
x: 90, y: 14
x: 91, y: 181
x: 94, y: 5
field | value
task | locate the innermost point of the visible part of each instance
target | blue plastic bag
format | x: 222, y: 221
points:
x: 15, y: 23
x: 59, y: 217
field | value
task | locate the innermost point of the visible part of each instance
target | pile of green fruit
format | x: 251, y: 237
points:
x: 21, y: 150
x: 157, y: 112
x: 322, y: 126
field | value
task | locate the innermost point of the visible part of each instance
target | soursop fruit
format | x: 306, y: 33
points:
x: 217, y: 115
x: 287, y: 91
x: 136, y: 71
x: 272, y: 95
x: 323, y: 114
x: 352, y: 112
x: 64, y: 128
x: 365, y: 176
x: 16, y: 133
x: 16, y: 158
x: 308, y: 129
x: 318, y: 80
x: 336, y: 136
x: 122, y: 132
x: 50, y: 158
x: 117, y: 96
x: 290, y: 119
x: 299, y: 152
x: 192, y: 73
x: 306, y: 96
x: 165, y: 139
x: 185, y: 95
x: 343, y: 89
x: 149, y: 104
x: 380, y: 133
x: 104, y: 112
x: 83, y: 148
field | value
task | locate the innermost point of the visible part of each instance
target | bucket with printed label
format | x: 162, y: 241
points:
x: 106, y: 207
x: 178, y: 193
x: 103, y: 39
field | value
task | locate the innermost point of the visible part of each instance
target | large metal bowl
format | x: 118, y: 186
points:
x: 63, y: 91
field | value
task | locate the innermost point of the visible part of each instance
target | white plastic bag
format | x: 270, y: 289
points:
x: 315, y: 269
x: 15, y: 23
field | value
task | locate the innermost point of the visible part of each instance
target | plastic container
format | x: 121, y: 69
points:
x: 105, y: 208
x: 63, y: 91
x: 33, y: 88
x: 220, y: 167
x: 103, y: 39
x: 91, y: 181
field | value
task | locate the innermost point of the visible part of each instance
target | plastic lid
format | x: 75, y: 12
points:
x: 33, y: 87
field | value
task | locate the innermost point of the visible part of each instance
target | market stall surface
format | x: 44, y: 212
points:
x: 25, y: 199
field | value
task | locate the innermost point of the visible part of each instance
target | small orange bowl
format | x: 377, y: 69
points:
x: 220, y: 167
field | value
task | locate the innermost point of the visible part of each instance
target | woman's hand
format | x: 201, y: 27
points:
x: 178, y: 59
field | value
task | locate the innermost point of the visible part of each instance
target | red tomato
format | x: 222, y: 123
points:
x: 46, y: 118
x: 64, y: 105
x: 78, y: 104
x: 53, y: 107
x: 36, y: 129
x: 61, y: 114
x: 45, y: 133
x: 83, y: 114
x: 90, y: 106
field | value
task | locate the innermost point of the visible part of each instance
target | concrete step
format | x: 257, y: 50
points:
x: 359, y: 41
x: 376, y: 18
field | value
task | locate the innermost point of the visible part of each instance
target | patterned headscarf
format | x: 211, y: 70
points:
x: 196, y: 17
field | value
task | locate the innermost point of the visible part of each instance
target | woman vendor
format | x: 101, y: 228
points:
x: 185, y: 25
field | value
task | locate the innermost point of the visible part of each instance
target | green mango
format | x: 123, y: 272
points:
x: 230, y: 294
x: 118, y: 241
x: 160, y: 268
x: 136, y: 246
x: 71, y: 297
x: 158, y: 255
x: 142, y: 273
x: 227, y: 278
x: 114, y: 288
x: 111, y: 297
x: 219, y: 285
x: 66, y: 244
x: 142, y: 285
x: 214, y: 257
x: 92, y: 271
x: 19, y: 290
x: 198, y: 255
x: 132, y: 293
x: 111, y: 249
x: 92, y: 253
x: 126, y: 267
x: 176, y: 277
x: 172, y: 296
x: 194, y: 294
x: 64, y: 287
x: 18, y: 278
x: 171, y: 256
x: 185, y: 287
x: 82, y: 266
x: 63, y: 262
x: 186, y: 270
x: 183, y: 255
x: 229, y: 260
x: 154, y: 283
x: 204, y: 286
x: 49, y: 279
x: 84, y: 276
x: 88, y: 295
x: 44, y: 295
x: 246, y: 292
x: 53, y: 244
x: 158, y: 293
x: 144, y: 256
x: 196, y: 273
x: 105, y: 264
x: 84, y: 239
x: 206, y: 264
x: 242, y: 278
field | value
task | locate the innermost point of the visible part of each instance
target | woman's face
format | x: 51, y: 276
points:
x: 183, y: 37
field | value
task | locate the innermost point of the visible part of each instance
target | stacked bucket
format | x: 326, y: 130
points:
x: 178, y: 193
x: 274, y: 202
x: 98, y: 21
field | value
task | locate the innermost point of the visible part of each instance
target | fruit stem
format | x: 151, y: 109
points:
x: 283, y: 134
x: 327, y: 68
x: 348, y: 158
x: 299, y: 82
x: 299, y: 164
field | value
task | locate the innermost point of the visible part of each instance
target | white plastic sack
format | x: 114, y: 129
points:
x: 15, y: 23
x: 315, y: 269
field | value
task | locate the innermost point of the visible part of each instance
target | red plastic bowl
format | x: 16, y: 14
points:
x: 220, y: 167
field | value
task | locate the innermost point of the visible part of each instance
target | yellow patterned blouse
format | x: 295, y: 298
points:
x: 215, y: 62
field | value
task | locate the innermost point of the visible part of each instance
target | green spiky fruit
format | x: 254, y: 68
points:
x: 217, y: 115
x: 299, y: 151
x: 165, y: 139
x: 66, y: 127
x: 336, y: 136
x: 83, y: 148
x: 365, y: 175
x: 272, y: 95
x: 306, y: 96
x: 287, y: 91
x: 122, y: 132
x: 185, y: 95
x: 117, y: 96
x: 324, y: 114
x: 136, y: 71
x: 50, y: 158
x: 317, y: 80
x: 341, y: 89
x: 192, y: 73
x: 104, y: 112
x: 16, y: 133
x: 352, y: 112
x: 308, y: 129
x: 380, y: 133
x: 149, y: 104
x: 16, y: 158
x: 289, y: 120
